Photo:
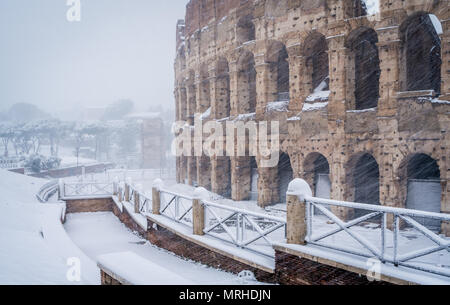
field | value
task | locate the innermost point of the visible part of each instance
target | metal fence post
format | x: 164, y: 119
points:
x: 137, y: 202
x: 127, y: 192
x: 156, y: 201
x: 198, y: 212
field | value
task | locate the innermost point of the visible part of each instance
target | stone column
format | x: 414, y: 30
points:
x: 296, y: 74
x: 265, y: 88
x: 268, y: 186
x: 445, y: 51
x: 221, y: 176
x: 234, y: 89
x: 240, y: 178
x: 204, y: 172
x: 198, y: 215
x: 156, y: 201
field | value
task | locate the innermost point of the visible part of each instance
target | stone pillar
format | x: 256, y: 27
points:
x: 192, y: 170
x: 198, y: 212
x: 156, y: 201
x: 234, y: 89
x: 136, y: 202
x: 221, y: 176
x: 296, y: 229
x: 204, y: 172
x: 265, y: 88
x: 296, y: 74
x: 389, y: 51
x: 445, y: 69
x: 127, y: 192
x: 191, y: 102
x: 296, y: 220
x: 268, y: 186
x: 241, y: 178
x: 220, y: 96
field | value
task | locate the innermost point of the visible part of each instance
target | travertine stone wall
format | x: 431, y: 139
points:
x: 211, y: 47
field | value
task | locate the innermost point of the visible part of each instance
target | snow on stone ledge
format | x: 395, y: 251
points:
x: 130, y: 268
x: 278, y: 106
x: 299, y: 187
x: 314, y: 106
x: 363, y: 110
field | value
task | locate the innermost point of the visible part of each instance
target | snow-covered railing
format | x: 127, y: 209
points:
x: 47, y: 190
x: 176, y: 206
x: 256, y: 232
x: 390, y: 243
x: 9, y: 164
x: 86, y: 189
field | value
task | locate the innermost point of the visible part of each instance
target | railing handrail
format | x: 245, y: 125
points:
x: 242, y: 211
x: 379, y: 208
x: 176, y: 194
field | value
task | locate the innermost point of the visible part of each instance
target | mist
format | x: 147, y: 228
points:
x: 120, y: 49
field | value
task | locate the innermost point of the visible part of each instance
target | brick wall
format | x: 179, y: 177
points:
x: 293, y: 270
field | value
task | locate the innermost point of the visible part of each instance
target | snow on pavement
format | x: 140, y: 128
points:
x: 102, y: 233
x: 34, y: 247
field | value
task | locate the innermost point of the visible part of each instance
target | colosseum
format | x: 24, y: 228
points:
x: 361, y: 93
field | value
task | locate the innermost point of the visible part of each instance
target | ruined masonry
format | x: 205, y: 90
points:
x: 363, y: 99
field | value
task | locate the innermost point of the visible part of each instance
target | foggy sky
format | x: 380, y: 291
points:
x: 120, y: 49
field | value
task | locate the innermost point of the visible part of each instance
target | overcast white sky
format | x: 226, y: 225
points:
x: 120, y: 49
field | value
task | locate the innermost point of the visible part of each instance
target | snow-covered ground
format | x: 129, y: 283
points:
x: 102, y: 233
x: 34, y: 247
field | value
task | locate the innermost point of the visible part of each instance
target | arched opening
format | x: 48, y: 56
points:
x: 283, y: 75
x: 317, y: 174
x: 222, y: 89
x: 285, y: 176
x: 366, y: 179
x: 317, y: 62
x: 366, y: 68
x: 245, y: 30
x: 247, y: 84
x: 422, y: 51
x: 424, y: 188
x: 277, y: 56
x: 254, y: 179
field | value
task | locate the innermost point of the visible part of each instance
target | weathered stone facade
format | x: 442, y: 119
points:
x: 370, y: 95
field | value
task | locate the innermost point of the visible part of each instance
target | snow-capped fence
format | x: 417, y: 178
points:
x: 391, y: 243
x: 85, y: 189
x: 47, y: 190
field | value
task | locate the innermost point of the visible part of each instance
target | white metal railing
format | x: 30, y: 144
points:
x: 388, y: 246
x: 86, y: 189
x: 141, y: 174
x: 176, y: 206
x: 47, y: 190
x: 245, y: 229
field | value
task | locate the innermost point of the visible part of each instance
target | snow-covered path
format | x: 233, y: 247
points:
x: 102, y: 233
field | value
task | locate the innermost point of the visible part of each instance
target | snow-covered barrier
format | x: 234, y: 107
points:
x: 384, y: 234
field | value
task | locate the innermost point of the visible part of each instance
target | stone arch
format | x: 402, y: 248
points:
x: 363, y: 180
x: 246, y: 83
x: 222, y: 94
x: 419, y: 175
x: 317, y: 173
x: 364, y: 71
x: 421, y: 53
x: 277, y: 56
x: 245, y: 30
x: 315, y: 53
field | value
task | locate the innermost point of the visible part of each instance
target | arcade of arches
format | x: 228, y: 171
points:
x: 368, y: 97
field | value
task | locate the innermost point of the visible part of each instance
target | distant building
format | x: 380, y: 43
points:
x: 153, y: 140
